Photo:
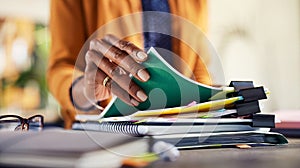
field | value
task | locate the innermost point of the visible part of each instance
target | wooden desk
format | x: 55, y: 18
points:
x: 273, y: 157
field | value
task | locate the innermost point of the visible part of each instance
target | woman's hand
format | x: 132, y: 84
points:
x: 109, y: 63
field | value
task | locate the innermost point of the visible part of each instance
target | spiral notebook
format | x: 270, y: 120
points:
x: 166, y: 126
x: 142, y: 130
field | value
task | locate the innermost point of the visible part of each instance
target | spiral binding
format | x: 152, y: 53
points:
x: 128, y: 128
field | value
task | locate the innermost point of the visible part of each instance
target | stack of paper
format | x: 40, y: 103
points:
x: 180, y: 111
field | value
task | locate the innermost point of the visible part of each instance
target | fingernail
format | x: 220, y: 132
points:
x: 134, y: 102
x: 141, y: 95
x: 141, y: 55
x: 143, y: 74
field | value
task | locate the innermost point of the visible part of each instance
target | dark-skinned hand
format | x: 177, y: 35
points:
x: 110, y: 62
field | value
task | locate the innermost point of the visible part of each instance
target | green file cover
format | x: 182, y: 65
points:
x: 166, y: 88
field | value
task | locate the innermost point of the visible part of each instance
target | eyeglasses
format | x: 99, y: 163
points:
x: 17, y: 123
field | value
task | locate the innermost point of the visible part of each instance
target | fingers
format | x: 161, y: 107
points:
x: 120, y: 58
x: 109, y: 62
x: 91, y: 79
x: 136, y: 53
x: 97, y: 70
x: 122, y: 94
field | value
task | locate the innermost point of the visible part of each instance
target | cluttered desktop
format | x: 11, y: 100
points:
x: 228, y: 126
x: 206, y: 83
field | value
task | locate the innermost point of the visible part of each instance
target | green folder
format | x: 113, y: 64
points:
x: 166, y: 88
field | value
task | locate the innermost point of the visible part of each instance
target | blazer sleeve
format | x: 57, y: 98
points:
x: 67, y: 38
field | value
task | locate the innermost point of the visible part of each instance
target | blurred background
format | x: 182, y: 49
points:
x: 256, y: 40
x: 24, y: 50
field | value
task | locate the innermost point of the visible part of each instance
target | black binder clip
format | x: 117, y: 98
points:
x: 248, y: 108
x: 238, y: 85
x: 249, y: 105
x: 263, y: 120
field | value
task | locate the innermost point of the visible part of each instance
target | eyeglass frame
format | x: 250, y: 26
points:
x: 24, y: 122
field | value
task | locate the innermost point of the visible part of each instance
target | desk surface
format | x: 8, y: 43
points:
x: 287, y: 156
x: 274, y: 156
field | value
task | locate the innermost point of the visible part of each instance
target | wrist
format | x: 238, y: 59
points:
x: 78, y: 98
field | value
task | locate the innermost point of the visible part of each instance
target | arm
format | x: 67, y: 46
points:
x: 105, y: 67
x: 67, y: 37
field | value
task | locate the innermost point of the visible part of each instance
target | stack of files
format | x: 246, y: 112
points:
x: 180, y: 111
x: 187, y: 133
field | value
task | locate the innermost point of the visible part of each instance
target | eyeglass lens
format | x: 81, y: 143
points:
x: 16, y: 123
